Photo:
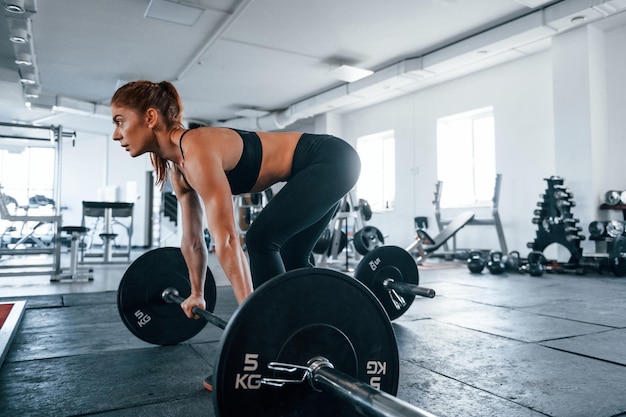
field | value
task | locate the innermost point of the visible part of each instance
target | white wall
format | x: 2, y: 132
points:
x: 82, y: 173
x: 94, y: 162
x: 616, y: 109
x: 520, y: 93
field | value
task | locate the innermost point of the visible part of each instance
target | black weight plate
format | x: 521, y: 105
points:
x: 388, y: 262
x: 617, y: 256
x: 614, y: 228
x: 341, y: 244
x: 368, y: 239
x: 323, y: 243
x: 596, y: 228
x: 141, y: 307
x: 293, y: 318
x: 613, y: 197
x: 366, y: 209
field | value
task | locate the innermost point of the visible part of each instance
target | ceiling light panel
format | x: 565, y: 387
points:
x: 19, y: 7
x: 251, y: 113
x: 533, y: 3
x: 171, y: 11
x: 349, y: 73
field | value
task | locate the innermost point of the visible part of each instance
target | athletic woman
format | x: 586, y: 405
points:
x: 208, y: 165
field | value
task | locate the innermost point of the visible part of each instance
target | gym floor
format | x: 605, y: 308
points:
x: 486, y: 345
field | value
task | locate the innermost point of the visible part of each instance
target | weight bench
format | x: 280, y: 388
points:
x: 426, y: 245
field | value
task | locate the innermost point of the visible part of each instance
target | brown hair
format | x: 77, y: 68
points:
x: 142, y: 95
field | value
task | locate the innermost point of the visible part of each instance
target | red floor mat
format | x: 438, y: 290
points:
x: 5, y: 309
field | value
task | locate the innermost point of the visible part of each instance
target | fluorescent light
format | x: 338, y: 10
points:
x: 17, y: 39
x: 174, y: 12
x: 251, y: 113
x: 349, y: 73
x: 70, y: 105
x: 15, y: 6
x: 533, y: 3
x: 23, y: 59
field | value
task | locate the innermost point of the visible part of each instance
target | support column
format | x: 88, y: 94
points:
x: 579, y: 80
x: 329, y: 123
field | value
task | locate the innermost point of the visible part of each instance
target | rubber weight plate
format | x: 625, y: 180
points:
x: 141, y: 307
x: 323, y: 243
x: 368, y: 239
x: 341, y: 244
x: 293, y: 318
x: 383, y: 263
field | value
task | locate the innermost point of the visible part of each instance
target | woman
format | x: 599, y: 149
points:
x: 208, y: 165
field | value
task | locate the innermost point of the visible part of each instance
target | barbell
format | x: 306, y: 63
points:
x: 309, y: 342
x: 388, y: 271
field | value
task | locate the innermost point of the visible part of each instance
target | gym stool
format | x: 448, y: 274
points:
x: 76, y: 234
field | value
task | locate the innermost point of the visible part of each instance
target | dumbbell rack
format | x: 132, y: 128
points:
x: 555, y: 221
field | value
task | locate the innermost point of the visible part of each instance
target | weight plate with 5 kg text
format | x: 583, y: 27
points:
x: 293, y: 318
x: 143, y: 310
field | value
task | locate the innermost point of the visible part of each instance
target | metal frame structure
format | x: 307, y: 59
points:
x: 53, y: 268
x: 494, y: 221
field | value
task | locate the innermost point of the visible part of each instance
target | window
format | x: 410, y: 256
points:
x: 27, y: 172
x: 377, y: 183
x: 466, y: 161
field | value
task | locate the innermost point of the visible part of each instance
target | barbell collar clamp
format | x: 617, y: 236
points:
x: 288, y: 368
x: 404, y: 288
x: 171, y: 295
x: 398, y: 301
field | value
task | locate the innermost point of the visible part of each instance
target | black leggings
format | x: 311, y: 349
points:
x: 282, y: 236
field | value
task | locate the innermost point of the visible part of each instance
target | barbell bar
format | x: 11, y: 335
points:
x: 171, y: 295
x: 321, y: 375
x: 405, y: 288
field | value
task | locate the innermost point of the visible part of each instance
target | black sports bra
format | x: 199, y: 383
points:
x: 245, y: 174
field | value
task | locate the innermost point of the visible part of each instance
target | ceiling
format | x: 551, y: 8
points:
x: 265, y: 55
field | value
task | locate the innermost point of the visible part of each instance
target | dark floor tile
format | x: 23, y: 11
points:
x: 541, y: 379
x: 81, y: 330
x: 515, y: 324
x: 607, y: 346
x: 208, y: 351
x: 198, y: 405
x: 111, y: 381
x: 444, y: 396
x: 90, y: 299
x: 41, y: 301
x: 602, y: 310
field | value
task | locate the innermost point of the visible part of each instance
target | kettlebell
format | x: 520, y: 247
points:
x: 536, y: 263
x: 475, y: 262
x: 513, y: 262
x: 495, y: 263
